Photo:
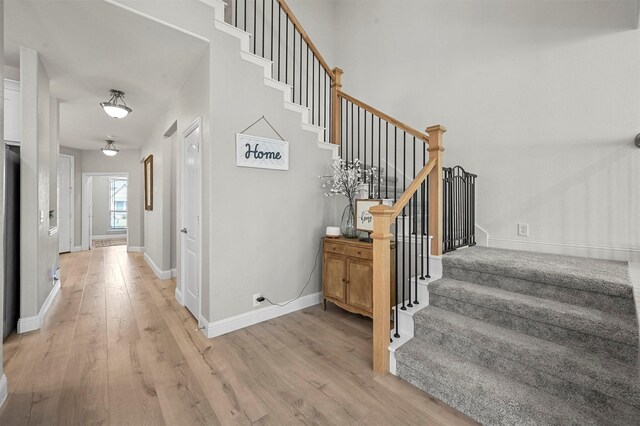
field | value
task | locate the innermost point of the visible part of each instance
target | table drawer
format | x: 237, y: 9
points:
x: 332, y: 247
x: 361, y: 253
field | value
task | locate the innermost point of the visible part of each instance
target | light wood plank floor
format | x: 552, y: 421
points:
x: 116, y: 348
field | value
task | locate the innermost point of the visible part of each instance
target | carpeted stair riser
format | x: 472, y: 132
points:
x: 619, y: 351
x: 564, y: 371
x: 546, y: 382
x: 604, y: 302
x: 488, y: 397
x: 563, y: 315
x: 595, y: 275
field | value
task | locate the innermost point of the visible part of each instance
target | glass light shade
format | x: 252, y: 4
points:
x: 110, y: 149
x: 115, y: 111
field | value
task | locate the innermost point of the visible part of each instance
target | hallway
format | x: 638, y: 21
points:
x: 116, y: 348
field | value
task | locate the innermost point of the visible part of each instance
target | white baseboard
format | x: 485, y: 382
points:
x: 135, y: 249
x: 227, y: 325
x: 179, y: 296
x: 163, y: 275
x: 28, y: 324
x: 482, y: 236
x: 107, y: 237
x: 76, y: 249
x: 174, y: 272
x: 599, y: 252
x: 4, y: 389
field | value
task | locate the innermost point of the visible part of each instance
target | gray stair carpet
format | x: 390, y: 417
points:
x: 515, y: 337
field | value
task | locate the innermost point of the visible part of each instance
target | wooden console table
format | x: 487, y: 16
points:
x: 347, y: 274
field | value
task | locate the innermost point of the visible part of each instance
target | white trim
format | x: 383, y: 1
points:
x: 227, y: 325
x: 482, y: 236
x: 75, y: 249
x: 174, y: 272
x: 106, y: 237
x: 197, y: 124
x: 179, y: 296
x: 28, y: 324
x: 135, y: 249
x: 72, y: 219
x: 163, y: 275
x: 4, y: 389
x: 600, y: 252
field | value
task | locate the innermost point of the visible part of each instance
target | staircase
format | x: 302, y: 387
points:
x: 515, y: 337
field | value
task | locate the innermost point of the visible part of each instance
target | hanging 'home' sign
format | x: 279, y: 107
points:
x: 261, y: 153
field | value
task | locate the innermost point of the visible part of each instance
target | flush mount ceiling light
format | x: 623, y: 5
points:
x: 113, y: 108
x: 110, y: 148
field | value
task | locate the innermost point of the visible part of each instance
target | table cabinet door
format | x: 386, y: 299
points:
x: 335, y: 276
x: 360, y: 283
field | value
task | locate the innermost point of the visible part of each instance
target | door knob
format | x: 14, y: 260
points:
x: 183, y: 230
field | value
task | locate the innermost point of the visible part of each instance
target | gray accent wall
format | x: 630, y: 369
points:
x: 530, y: 101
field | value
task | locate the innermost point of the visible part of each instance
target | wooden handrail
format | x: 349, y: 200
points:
x: 412, y: 188
x: 385, y: 117
x: 306, y: 38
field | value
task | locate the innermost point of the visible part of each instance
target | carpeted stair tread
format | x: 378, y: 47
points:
x: 604, y: 302
x: 596, y: 275
x: 485, y: 395
x: 562, y: 315
x: 576, y: 369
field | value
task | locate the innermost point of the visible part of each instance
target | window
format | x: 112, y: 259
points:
x: 118, y: 203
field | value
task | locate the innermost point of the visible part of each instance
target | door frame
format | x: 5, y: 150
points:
x: 72, y: 222
x: 183, y: 246
x: 86, y: 202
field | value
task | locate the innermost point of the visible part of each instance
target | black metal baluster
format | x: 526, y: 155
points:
x: 313, y: 86
x: 395, y: 191
x: 427, y: 226
x: 358, y: 131
x: 263, y: 18
x: 300, y: 88
x: 307, y: 67
x: 255, y: 35
x: 325, y: 106
x: 294, y: 65
x: 423, y: 216
x: 404, y: 221
x: 379, y: 177
x: 345, y: 151
x: 386, y: 161
x: 319, y: 90
x: 279, y: 37
x: 245, y: 15
x: 353, y: 141
x: 235, y: 15
x: 286, y: 52
x: 272, y: 31
x: 364, y: 140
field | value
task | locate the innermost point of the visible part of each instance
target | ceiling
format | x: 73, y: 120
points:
x: 88, y: 47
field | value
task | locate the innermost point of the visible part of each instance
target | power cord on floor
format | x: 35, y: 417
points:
x: 315, y: 265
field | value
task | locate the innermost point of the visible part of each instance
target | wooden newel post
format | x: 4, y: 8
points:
x: 435, y: 188
x: 336, y: 86
x: 381, y: 282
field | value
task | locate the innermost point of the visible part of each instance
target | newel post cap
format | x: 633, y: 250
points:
x: 435, y: 137
x: 381, y: 210
x: 438, y: 128
x: 337, y: 73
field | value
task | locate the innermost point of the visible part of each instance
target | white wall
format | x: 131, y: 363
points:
x: 77, y: 187
x: 317, y: 17
x: 127, y: 161
x: 36, y: 246
x: 101, y: 225
x: 541, y: 100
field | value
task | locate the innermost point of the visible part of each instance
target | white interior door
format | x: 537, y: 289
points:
x: 190, y: 231
x: 65, y: 206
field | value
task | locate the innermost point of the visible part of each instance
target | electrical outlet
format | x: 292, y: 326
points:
x: 523, y: 230
x: 255, y: 300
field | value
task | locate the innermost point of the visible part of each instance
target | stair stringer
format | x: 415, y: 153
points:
x: 405, y: 317
x: 267, y: 65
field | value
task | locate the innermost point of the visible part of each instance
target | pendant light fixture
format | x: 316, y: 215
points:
x: 110, y: 148
x: 116, y: 107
